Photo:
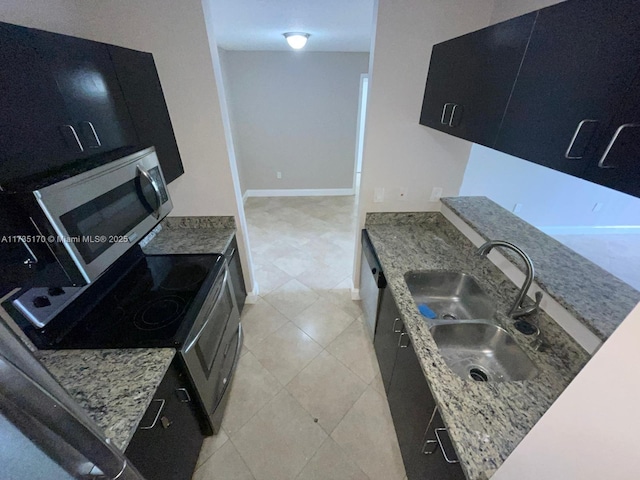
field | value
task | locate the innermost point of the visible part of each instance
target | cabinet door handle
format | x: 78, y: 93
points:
x: 186, y: 398
x: 155, y: 420
x: 69, y: 133
x: 567, y: 154
x: 602, y: 161
x: 403, y: 334
x: 444, y: 112
x: 90, y: 129
x: 393, y: 328
x: 453, y: 112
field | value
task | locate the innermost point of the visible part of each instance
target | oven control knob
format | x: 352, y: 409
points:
x: 55, y: 291
x: 41, y: 301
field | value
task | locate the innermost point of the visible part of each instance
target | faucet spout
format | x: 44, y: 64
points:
x: 518, y: 309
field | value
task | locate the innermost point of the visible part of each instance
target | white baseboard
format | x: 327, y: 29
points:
x: 252, y: 298
x: 355, y: 294
x: 608, y: 230
x: 301, y: 192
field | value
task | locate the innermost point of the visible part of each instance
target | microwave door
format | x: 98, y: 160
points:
x: 50, y: 436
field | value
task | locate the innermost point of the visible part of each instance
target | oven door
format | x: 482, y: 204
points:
x: 212, y: 349
x: 100, y: 214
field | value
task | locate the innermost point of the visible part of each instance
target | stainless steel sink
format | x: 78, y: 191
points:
x: 482, y: 352
x: 450, y: 295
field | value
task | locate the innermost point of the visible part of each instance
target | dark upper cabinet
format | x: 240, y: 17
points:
x: 87, y: 81
x: 470, y: 79
x: 139, y: 81
x: 566, y: 100
x: 70, y: 103
x: 579, y: 65
x: 615, y: 162
x: 33, y: 115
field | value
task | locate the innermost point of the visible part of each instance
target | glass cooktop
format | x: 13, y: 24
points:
x: 153, y: 305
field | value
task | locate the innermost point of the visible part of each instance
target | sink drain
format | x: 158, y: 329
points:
x: 478, y: 375
x: 525, y: 327
x: 449, y: 316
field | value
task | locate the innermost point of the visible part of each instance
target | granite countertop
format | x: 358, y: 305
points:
x: 192, y: 235
x: 595, y: 297
x: 485, y: 420
x: 115, y: 387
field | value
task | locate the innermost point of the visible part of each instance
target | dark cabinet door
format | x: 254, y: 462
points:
x: 35, y: 133
x: 167, y: 443
x: 581, y: 59
x: 470, y: 79
x: 139, y: 81
x: 412, y: 404
x: 616, y: 163
x: 88, y: 83
x: 385, y: 342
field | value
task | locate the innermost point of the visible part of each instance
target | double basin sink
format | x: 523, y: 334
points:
x: 462, y: 322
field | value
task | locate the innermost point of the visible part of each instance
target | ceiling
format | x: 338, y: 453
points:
x: 334, y: 25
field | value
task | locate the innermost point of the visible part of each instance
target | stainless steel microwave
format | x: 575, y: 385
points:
x: 70, y: 232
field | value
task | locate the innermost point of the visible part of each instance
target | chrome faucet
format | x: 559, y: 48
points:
x: 518, y: 309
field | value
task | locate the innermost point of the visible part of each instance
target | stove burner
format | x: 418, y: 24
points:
x: 183, y: 276
x: 159, y: 313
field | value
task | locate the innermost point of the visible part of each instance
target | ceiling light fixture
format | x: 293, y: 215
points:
x: 296, y: 40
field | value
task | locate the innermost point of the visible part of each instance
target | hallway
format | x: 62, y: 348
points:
x: 307, y: 401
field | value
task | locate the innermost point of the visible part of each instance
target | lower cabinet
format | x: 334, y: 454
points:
x: 167, y: 442
x: 412, y: 406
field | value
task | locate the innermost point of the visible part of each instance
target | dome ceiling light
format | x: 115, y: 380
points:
x: 296, y: 40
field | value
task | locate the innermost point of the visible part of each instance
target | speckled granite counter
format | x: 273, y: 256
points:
x: 192, y: 235
x: 115, y: 387
x: 485, y: 420
x: 595, y: 297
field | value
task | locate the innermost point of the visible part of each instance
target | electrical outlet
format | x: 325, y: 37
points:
x: 597, y: 207
x: 378, y: 195
x: 278, y: 175
x: 517, y: 208
x: 402, y: 193
x: 436, y: 193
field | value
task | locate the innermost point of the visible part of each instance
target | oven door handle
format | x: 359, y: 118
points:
x: 156, y: 190
x: 215, y: 304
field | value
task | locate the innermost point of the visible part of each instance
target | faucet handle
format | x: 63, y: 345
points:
x: 528, y: 310
x: 538, y: 296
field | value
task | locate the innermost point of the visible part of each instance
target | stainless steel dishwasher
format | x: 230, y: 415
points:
x: 372, y: 281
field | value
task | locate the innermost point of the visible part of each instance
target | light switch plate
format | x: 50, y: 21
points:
x: 378, y: 195
x: 436, y: 193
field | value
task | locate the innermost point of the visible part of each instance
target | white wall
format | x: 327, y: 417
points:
x: 294, y: 113
x: 591, y: 431
x: 176, y: 35
x: 398, y: 151
x: 552, y: 201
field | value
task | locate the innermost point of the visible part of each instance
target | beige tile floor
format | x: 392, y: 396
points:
x: 307, y: 402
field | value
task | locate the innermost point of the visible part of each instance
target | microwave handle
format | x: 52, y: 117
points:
x: 156, y: 190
